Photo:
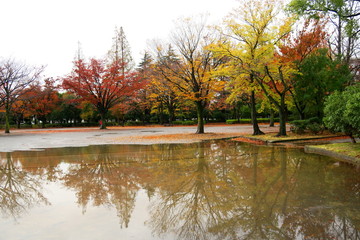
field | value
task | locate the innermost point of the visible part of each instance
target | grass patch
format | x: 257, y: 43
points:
x: 290, y: 136
x: 348, y: 149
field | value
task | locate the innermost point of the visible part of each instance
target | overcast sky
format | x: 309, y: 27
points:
x: 47, y: 32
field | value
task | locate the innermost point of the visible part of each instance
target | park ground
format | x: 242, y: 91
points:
x: 33, y: 139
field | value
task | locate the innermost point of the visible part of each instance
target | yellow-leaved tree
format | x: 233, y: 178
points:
x: 191, y: 74
x: 249, y: 40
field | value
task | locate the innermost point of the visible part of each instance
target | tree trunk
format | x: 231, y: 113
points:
x: 282, y: 129
x: 123, y: 120
x: 353, y: 140
x: 272, y: 122
x: 254, y: 121
x: 7, y: 116
x: 102, y: 121
x: 162, y: 120
x: 43, y: 122
x: 283, y: 117
x: 171, y: 110
x: 200, y: 116
x: 18, y: 121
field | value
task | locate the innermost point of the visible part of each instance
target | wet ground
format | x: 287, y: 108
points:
x: 27, y: 139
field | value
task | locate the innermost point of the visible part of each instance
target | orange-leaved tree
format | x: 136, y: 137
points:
x: 309, y: 38
x: 102, y: 85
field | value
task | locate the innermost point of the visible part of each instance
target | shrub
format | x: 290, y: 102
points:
x: 342, y: 111
x: 232, y: 121
x: 134, y: 123
x: 298, y: 126
x: 313, y: 125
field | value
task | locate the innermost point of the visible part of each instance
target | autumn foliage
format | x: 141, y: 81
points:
x: 103, y: 85
x: 300, y: 44
x: 257, y: 63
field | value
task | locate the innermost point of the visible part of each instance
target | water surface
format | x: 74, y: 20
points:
x: 209, y: 190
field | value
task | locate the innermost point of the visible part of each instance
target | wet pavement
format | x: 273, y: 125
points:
x: 28, y: 139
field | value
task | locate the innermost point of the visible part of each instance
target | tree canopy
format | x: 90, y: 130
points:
x: 342, y: 111
x: 102, y: 85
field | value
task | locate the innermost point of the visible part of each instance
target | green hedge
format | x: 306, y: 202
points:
x: 247, y: 120
x: 187, y: 122
x: 134, y: 123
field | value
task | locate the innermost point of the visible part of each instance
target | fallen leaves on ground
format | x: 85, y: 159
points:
x: 181, y: 137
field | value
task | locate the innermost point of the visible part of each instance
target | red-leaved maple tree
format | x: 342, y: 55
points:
x: 103, y: 85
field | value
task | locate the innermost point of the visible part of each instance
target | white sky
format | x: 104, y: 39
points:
x: 47, y: 32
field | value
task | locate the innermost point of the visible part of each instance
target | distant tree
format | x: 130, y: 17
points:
x: 68, y: 109
x: 102, y: 85
x: 15, y: 79
x: 21, y: 109
x: 120, y: 51
x: 87, y: 111
x: 165, y: 95
x: 142, y: 98
x: 342, y: 111
x: 44, y: 100
x: 120, y: 110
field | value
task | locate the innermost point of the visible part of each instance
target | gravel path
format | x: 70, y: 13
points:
x: 28, y: 139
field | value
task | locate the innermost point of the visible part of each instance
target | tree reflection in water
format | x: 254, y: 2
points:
x: 105, y: 179
x: 19, y: 189
x: 257, y: 193
x: 208, y: 190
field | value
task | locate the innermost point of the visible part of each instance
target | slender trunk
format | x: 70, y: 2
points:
x: 254, y: 121
x: 352, y: 138
x: 7, y: 116
x: 171, y: 115
x: 302, y: 115
x: 18, y: 122
x: 200, y: 116
x: 339, y: 40
x: 162, y: 121
x: 43, y: 122
x: 123, y: 120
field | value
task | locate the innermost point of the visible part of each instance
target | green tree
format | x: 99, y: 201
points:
x: 344, y: 17
x: 342, y: 111
x: 319, y: 75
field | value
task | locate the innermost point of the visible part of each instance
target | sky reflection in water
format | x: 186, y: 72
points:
x: 209, y: 190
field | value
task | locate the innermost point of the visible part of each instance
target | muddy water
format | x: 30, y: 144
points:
x: 210, y: 190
